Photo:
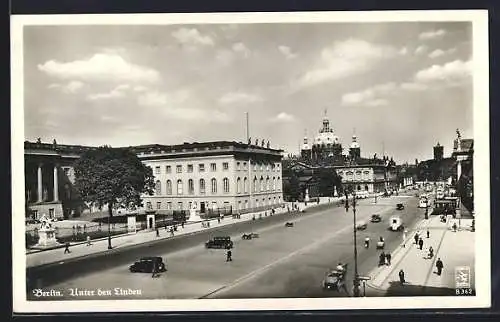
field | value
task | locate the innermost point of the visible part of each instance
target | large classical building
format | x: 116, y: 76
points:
x: 214, y: 175
x: 205, y: 176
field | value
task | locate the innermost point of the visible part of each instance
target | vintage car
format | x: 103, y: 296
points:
x: 400, y: 206
x: 376, y: 218
x: 222, y: 242
x: 250, y: 236
x: 361, y: 225
x: 146, y: 265
x: 381, y: 243
x: 289, y: 224
x: 334, y: 279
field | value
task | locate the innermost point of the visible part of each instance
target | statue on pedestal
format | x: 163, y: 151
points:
x: 249, y: 141
x: 256, y: 141
x: 46, y: 234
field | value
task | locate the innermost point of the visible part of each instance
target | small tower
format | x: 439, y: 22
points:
x: 355, y: 149
x: 438, y: 152
x: 305, y: 150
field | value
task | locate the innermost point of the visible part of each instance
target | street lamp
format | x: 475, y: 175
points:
x: 109, y: 233
x: 355, y: 281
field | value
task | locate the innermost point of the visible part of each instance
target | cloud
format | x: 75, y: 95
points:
x: 72, y: 87
x: 344, y: 59
x: 239, y: 98
x: 287, y: 52
x: 370, y: 96
x: 432, y: 34
x: 421, y: 50
x: 413, y: 86
x: 283, y: 118
x: 451, y: 72
x: 439, y: 52
x: 117, y: 92
x: 100, y: 67
x: 241, y: 49
x: 403, y: 51
x: 192, y: 37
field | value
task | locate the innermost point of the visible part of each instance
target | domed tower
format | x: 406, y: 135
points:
x: 305, y: 151
x: 326, y: 146
x: 355, y: 150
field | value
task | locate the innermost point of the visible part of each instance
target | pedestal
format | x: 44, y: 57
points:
x: 306, y: 198
x: 46, y: 238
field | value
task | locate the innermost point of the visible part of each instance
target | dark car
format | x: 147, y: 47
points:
x: 289, y: 224
x: 250, y: 236
x: 146, y: 265
x: 376, y: 218
x: 400, y: 206
x: 219, y: 242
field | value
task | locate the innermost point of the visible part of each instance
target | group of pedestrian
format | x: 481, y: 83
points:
x: 384, y: 259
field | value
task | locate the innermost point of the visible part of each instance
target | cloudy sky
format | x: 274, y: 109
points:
x: 404, y: 86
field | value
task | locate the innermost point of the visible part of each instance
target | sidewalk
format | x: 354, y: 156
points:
x: 456, y: 249
x: 80, y: 249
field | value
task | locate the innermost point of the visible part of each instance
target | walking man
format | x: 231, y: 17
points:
x: 66, y: 249
x: 416, y: 239
x: 388, y: 259
x: 172, y: 231
x: 88, y: 240
x: 229, y: 255
x: 381, y: 259
x: 421, y: 243
x: 157, y: 232
x: 428, y: 234
x: 182, y: 225
x: 439, y: 266
x: 402, y: 277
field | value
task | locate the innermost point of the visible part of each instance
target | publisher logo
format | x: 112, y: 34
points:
x: 462, y: 277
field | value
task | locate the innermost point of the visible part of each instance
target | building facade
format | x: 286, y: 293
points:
x: 215, y: 175
x: 367, y: 178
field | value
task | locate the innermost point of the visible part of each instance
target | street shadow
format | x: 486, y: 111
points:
x: 408, y: 289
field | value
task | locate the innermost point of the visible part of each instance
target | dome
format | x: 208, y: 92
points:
x: 326, y: 138
x: 354, y: 144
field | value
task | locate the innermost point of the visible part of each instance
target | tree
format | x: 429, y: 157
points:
x: 113, y: 177
x: 291, y: 188
x: 327, y: 179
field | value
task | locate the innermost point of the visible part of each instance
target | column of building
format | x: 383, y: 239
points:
x: 40, y: 183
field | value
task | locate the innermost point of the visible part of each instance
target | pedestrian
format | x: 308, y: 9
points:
x: 154, y: 270
x: 229, y: 255
x: 85, y: 228
x: 454, y: 227
x: 218, y: 220
x: 367, y: 242
x: 439, y: 266
x: 405, y: 232
x: 416, y: 238
x: 402, y: 277
x: 172, y: 232
x: 431, y: 252
x: 421, y: 243
x: 88, y: 240
x: 428, y: 234
x: 182, y: 225
x: 157, y: 232
x: 381, y: 261
x: 388, y: 258
x: 66, y: 248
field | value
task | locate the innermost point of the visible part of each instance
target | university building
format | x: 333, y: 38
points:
x: 205, y: 176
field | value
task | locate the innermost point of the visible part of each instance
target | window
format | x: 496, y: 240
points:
x: 254, y: 188
x: 51, y: 212
x: 214, y: 185
x: 213, y: 166
x: 158, y: 205
x: 262, y: 167
x: 225, y: 166
x: 238, y: 165
x: 239, y: 205
x: 246, y: 204
x: 179, y: 205
x: 244, y: 166
x: 149, y: 206
x: 158, y: 187
x: 214, y: 205
x: 169, y: 187
x: 277, y: 167
x: 202, y: 186
x: 227, y: 205
x: 157, y: 170
x: 279, y: 183
x: 245, y: 185
x: 178, y: 168
x: 262, y: 188
x: 179, y: 187
x: 268, y: 187
x: 190, y: 205
x: 274, y: 183
x: 169, y: 205
x: 168, y: 169
x: 191, y: 186
x: 225, y: 183
x: 190, y: 168
x: 255, y: 167
x: 267, y: 167
x: 238, y: 185
x: 201, y: 167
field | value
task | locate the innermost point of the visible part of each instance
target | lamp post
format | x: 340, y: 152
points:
x: 355, y: 281
x: 109, y: 232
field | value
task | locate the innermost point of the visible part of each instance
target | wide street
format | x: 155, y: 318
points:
x: 283, y: 262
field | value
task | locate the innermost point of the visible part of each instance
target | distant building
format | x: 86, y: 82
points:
x: 438, y: 152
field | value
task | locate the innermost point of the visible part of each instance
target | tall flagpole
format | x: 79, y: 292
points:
x: 248, y: 129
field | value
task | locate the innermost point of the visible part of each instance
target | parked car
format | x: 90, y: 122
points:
x: 250, y: 236
x: 400, y: 206
x: 289, y: 224
x: 376, y: 218
x: 219, y: 242
x: 361, y: 225
x: 146, y: 264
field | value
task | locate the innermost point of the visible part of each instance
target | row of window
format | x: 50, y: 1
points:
x: 213, y: 167
x: 358, y: 175
x: 261, y: 185
x: 240, y: 206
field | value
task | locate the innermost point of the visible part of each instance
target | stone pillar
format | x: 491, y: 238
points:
x: 56, y: 184
x: 459, y: 170
x: 39, y: 182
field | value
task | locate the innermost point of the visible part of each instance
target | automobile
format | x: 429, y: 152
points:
x: 146, y: 264
x: 289, y: 224
x: 219, y: 242
x: 361, y: 225
x: 381, y: 243
x: 250, y: 236
x: 334, y: 279
x: 396, y: 223
x: 376, y: 218
x: 400, y: 206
